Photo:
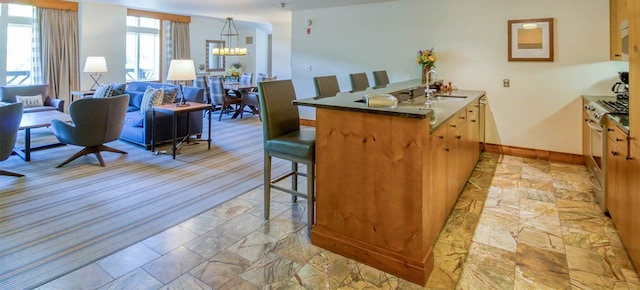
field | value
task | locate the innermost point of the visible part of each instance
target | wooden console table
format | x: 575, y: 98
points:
x: 175, y: 111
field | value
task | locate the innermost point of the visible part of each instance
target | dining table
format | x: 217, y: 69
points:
x: 242, y: 91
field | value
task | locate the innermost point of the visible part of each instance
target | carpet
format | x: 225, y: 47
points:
x: 56, y: 220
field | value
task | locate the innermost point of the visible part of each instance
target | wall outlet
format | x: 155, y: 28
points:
x: 505, y: 83
x: 307, y: 67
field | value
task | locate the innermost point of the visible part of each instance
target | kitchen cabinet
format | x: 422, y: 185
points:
x: 439, y: 156
x: 618, y: 13
x: 455, y: 158
x: 472, y: 136
x: 633, y: 242
x: 617, y: 179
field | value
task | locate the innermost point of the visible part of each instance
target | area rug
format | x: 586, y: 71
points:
x: 56, y: 220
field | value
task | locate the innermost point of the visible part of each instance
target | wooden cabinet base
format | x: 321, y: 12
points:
x: 414, y: 271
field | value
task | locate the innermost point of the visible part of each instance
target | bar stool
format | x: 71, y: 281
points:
x: 380, y: 79
x: 284, y: 139
x: 359, y: 82
x: 326, y: 86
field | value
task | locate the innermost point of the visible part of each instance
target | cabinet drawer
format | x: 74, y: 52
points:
x: 616, y: 134
x: 472, y: 113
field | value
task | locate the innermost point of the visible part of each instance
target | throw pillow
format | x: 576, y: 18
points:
x: 103, y: 91
x: 117, y: 89
x: 170, y: 94
x: 30, y: 101
x: 151, y: 97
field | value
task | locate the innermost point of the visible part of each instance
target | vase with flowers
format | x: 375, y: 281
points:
x: 427, y: 60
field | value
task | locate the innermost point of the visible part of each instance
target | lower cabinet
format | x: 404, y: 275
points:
x: 632, y: 242
x: 617, y: 179
x: 439, y: 156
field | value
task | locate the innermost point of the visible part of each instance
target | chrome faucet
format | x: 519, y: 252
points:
x: 431, y: 73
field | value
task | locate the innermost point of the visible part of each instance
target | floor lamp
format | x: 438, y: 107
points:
x: 95, y: 66
x: 181, y: 70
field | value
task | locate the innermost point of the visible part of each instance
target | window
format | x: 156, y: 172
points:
x: 16, y: 56
x: 143, y: 49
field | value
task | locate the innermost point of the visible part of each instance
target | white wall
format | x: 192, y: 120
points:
x: 540, y: 110
x: 102, y: 32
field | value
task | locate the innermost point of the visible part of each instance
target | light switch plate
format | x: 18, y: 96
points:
x: 505, y: 83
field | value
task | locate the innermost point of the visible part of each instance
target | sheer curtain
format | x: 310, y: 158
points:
x: 58, y: 31
x: 178, y: 42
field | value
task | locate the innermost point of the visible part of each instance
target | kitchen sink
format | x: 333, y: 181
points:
x: 449, y: 98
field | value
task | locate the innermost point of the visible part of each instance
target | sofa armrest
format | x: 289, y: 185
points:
x: 56, y: 103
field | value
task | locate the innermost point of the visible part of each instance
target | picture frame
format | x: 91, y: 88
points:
x: 531, y: 39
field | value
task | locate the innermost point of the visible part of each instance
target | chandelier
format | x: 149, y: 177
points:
x: 231, y: 37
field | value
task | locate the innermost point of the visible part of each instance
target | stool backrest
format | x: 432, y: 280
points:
x: 279, y: 115
x: 380, y: 78
x: 326, y: 86
x: 359, y: 82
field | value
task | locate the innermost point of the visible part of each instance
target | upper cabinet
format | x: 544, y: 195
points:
x: 618, y: 19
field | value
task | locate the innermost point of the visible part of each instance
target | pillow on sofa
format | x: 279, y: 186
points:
x: 135, y: 99
x: 103, y: 91
x: 151, y: 97
x: 170, y: 94
x: 30, y: 101
x: 117, y: 89
x: 134, y: 119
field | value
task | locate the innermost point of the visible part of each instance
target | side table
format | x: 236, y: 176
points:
x: 81, y: 94
x: 175, y: 111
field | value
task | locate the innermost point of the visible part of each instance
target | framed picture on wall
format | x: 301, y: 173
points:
x: 531, y: 39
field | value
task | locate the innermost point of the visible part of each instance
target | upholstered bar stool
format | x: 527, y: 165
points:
x: 380, y: 79
x: 326, y: 86
x: 359, y: 82
x: 284, y: 139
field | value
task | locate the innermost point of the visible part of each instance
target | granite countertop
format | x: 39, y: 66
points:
x: 438, y: 111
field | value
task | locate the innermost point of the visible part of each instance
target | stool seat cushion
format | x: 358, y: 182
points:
x: 300, y: 143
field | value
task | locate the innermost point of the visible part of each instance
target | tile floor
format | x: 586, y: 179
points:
x: 519, y: 224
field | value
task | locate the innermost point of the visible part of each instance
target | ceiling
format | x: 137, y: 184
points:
x: 261, y: 11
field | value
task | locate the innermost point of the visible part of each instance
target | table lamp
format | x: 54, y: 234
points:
x: 95, y: 66
x: 181, y: 70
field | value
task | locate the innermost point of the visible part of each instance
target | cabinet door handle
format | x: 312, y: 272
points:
x: 617, y: 54
x: 614, y: 153
x: 609, y: 130
x: 462, y: 118
x: 459, y: 137
x: 447, y: 149
x: 440, y: 137
x: 618, y: 140
x: 453, y: 126
x: 473, y: 121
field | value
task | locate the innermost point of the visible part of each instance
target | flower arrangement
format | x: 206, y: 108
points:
x: 426, y: 58
x: 202, y: 67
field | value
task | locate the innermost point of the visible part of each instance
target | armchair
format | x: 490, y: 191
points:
x: 10, y: 117
x: 95, y: 121
x: 8, y: 95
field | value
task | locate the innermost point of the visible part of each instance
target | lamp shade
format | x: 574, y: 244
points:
x: 95, y: 64
x: 181, y: 70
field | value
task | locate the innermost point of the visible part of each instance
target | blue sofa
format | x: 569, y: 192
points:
x: 137, y: 125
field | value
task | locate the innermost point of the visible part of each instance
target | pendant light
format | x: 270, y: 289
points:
x: 231, y: 37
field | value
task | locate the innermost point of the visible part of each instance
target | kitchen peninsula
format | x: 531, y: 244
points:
x: 387, y: 177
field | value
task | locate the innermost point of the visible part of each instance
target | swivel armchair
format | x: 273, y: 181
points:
x: 284, y: 139
x: 95, y: 122
x: 10, y: 117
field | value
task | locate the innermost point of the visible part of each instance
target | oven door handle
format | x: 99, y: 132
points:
x: 594, y: 182
x: 594, y: 127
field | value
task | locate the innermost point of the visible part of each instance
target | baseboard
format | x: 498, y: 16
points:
x: 308, y: 122
x: 534, y: 153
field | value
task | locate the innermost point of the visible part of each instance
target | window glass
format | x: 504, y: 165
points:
x: 20, y: 10
x: 143, y: 49
x: 16, y: 59
x: 19, y: 54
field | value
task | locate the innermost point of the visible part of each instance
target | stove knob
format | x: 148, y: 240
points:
x: 596, y: 115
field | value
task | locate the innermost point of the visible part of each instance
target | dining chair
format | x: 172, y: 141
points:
x: 283, y: 138
x: 219, y: 97
x: 359, y: 82
x: 250, y: 99
x: 246, y: 78
x: 380, y: 79
x: 326, y: 86
x: 10, y: 117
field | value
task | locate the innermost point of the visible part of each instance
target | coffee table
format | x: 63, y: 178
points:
x: 37, y: 120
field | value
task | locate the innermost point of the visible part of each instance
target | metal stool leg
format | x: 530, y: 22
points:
x: 294, y: 180
x: 267, y: 184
